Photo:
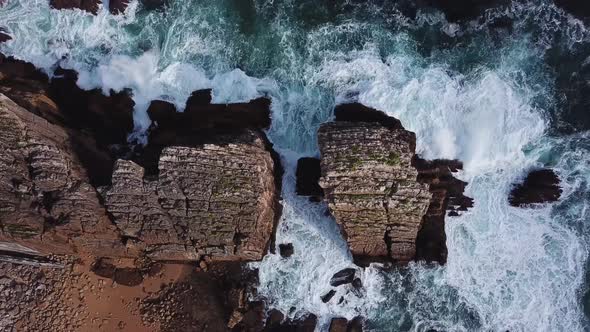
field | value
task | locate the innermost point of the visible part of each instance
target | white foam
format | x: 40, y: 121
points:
x: 508, y: 269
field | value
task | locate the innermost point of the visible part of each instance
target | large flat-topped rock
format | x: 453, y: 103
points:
x: 371, y: 188
x: 216, y: 200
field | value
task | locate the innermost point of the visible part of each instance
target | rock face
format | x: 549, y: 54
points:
x: 540, y: 186
x: 46, y: 199
x: 377, y: 191
x: 447, y: 195
x: 215, y: 200
x: 371, y: 188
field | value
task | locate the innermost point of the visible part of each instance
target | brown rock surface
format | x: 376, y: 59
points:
x: 380, y: 193
x: 45, y: 199
x: 371, y: 188
x: 216, y: 200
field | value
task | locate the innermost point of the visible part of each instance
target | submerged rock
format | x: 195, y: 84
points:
x: 342, y: 277
x: 539, y: 186
x: 343, y: 325
x: 580, y: 9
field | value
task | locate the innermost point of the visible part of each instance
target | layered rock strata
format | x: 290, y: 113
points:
x: 215, y: 200
x: 373, y: 187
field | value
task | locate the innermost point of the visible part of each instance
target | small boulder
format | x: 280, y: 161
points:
x: 540, y: 186
x: 338, y: 325
x: 286, y: 249
x: 4, y: 36
x: 328, y: 296
x: 345, y: 276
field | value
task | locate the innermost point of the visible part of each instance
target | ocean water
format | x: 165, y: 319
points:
x: 488, y: 92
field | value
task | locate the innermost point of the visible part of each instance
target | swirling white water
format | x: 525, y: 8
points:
x: 476, y: 91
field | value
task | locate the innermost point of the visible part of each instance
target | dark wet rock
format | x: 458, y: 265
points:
x: 355, y: 325
x: 308, y: 175
x: 199, y: 98
x: 345, y: 276
x: 338, y: 325
x: 161, y: 112
x: 328, y: 296
x: 356, y: 112
x: 118, y: 6
x: 447, y: 195
x: 539, y: 186
x: 87, y: 5
x: 4, y: 36
x: 580, y: 9
x: 286, y: 249
x: 277, y: 323
x: 154, y: 4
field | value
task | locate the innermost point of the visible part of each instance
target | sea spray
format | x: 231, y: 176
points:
x: 478, y: 91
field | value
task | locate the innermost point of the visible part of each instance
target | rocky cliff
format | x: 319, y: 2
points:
x: 373, y: 187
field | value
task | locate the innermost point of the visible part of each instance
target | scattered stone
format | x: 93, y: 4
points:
x: 328, y: 296
x: 345, y: 276
x: 286, y: 249
x: 539, y: 186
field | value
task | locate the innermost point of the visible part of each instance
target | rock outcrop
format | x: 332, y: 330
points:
x: 46, y: 201
x: 374, y: 188
x: 539, y: 186
x: 371, y: 188
x: 214, y: 200
x: 447, y: 195
x: 90, y: 6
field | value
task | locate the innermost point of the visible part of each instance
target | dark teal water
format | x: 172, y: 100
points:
x: 503, y: 93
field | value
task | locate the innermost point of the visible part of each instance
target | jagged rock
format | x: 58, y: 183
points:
x: 308, y: 175
x: 540, y: 186
x: 87, y: 5
x: 46, y: 202
x: 328, y: 296
x: 447, y: 194
x: 343, y: 325
x: 307, y: 324
x: 217, y: 200
x: 386, y: 200
x: 345, y: 276
x: 3, y: 35
x: 371, y: 189
x: 118, y: 6
x: 286, y: 249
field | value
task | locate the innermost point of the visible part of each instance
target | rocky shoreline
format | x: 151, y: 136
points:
x: 123, y: 236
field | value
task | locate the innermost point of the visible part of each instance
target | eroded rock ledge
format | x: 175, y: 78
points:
x: 378, y: 192
x: 215, y: 200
